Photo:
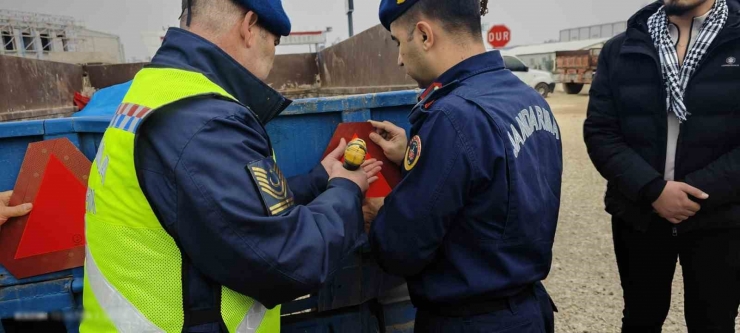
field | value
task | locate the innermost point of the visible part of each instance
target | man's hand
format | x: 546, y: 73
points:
x: 391, y: 138
x: 372, y: 167
x: 7, y: 212
x: 335, y: 156
x: 370, y: 209
x: 674, y: 204
x: 358, y: 176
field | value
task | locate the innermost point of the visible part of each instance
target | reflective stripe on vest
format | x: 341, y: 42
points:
x: 133, y: 280
x: 253, y: 319
x: 127, y: 318
x: 120, y: 311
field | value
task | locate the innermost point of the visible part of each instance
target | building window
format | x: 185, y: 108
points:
x: 28, y: 42
x: 45, y: 42
x: 7, y: 40
x: 63, y: 38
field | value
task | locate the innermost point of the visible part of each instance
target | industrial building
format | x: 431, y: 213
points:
x: 607, y: 30
x: 542, y: 56
x: 56, y: 38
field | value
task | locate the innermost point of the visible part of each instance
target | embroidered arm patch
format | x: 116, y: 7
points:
x: 276, y: 195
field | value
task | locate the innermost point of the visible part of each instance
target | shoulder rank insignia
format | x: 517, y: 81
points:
x: 413, y: 153
x: 273, y: 188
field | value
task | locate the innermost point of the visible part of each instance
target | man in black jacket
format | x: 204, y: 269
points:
x: 663, y: 128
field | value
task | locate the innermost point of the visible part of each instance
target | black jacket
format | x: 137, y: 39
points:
x: 626, y: 127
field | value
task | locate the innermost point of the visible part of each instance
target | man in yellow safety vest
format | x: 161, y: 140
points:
x: 190, y: 224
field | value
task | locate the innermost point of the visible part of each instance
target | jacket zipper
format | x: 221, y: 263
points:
x: 679, y: 140
x: 663, y: 99
x: 675, y: 231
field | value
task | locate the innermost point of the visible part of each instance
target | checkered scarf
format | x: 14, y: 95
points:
x: 675, y: 76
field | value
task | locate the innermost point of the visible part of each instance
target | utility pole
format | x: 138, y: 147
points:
x: 349, y: 5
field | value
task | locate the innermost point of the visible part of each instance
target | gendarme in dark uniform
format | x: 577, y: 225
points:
x: 472, y: 223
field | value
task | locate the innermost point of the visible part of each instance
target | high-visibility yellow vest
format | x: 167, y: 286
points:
x: 133, y: 268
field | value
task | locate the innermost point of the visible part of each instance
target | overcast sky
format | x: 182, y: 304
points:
x: 531, y: 21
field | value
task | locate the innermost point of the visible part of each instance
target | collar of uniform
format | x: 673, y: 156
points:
x: 484, y: 62
x: 187, y: 51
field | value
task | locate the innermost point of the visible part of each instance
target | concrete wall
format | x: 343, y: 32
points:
x: 32, y: 88
x: 367, y: 59
x: 100, y: 42
x: 82, y: 57
x: 111, y: 46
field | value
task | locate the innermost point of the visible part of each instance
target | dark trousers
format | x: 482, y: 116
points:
x: 531, y: 314
x: 710, y: 260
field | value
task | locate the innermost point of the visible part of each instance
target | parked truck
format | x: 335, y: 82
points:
x: 576, y: 69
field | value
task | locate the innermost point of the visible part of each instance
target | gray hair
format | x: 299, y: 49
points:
x: 216, y: 16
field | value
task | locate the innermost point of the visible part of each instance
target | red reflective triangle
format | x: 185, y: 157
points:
x: 380, y: 188
x: 388, y: 177
x: 57, y: 220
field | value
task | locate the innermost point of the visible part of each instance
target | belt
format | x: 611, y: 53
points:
x: 474, y: 308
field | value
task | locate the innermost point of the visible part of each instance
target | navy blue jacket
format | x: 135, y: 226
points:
x: 195, y: 161
x: 474, y: 219
x: 626, y: 128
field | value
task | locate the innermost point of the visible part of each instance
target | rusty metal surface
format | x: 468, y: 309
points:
x: 289, y: 71
x: 367, y: 59
x: 59, y: 112
x: 102, y: 76
x: 292, y: 71
x: 361, y: 90
x: 28, y: 84
x: 366, y: 63
x: 342, y: 91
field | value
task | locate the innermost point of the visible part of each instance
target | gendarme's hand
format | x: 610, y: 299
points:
x: 358, y: 176
x: 370, y: 209
x: 334, y: 156
x: 391, y: 138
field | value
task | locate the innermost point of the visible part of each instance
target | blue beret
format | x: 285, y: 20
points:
x: 390, y: 10
x: 271, y: 15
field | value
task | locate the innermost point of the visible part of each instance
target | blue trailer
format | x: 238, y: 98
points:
x: 360, y: 297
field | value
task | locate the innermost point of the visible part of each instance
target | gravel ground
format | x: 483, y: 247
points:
x: 584, y: 282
